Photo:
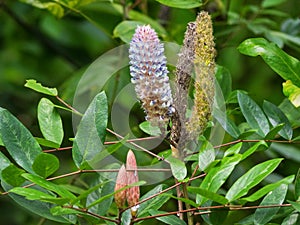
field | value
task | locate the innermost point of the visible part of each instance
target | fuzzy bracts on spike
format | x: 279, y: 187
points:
x: 149, y: 74
x: 204, y: 69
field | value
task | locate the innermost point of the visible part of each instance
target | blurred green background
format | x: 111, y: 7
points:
x: 37, y: 44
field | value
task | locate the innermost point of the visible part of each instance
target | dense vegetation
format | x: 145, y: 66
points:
x: 66, y: 143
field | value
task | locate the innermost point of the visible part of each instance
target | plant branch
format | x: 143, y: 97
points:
x: 136, y: 145
x: 92, y: 214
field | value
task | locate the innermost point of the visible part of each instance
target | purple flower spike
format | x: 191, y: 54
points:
x: 149, y: 74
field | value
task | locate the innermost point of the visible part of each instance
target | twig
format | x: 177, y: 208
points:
x: 179, y: 202
x: 68, y: 106
x: 136, y: 145
x: 92, y: 214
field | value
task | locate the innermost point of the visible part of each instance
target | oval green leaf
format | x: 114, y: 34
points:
x: 50, y: 121
x: 178, y: 168
x: 45, y: 164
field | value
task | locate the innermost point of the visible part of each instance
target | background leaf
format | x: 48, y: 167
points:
x: 18, y: 141
x: 126, y: 29
x: 50, y: 121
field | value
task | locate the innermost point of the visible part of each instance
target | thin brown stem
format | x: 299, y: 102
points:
x: 68, y: 106
x: 136, y: 145
x: 92, y: 214
x: 179, y: 202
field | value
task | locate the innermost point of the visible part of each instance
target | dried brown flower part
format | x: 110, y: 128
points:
x: 183, y: 72
x: 121, y: 182
x: 133, y: 193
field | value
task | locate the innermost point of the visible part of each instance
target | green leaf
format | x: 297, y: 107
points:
x: 271, y: 3
x: 46, y: 143
x: 209, y: 195
x: 37, y: 207
x: 126, y: 29
x: 297, y: 186
x: 18, y: 141
x: 292, y: 92
x: 187, y: 4
x: 296, y: 205
x: 267, y: 188
x: 45, y: 164
x: 233, y: 150
x: 178, y: 168
x: 33, y: 194
x: 49, y: 186
x: 285, y: 65
x: 206, y: 155
x: 1, y: 142
x: 275, y: 197
x: 12, y: 175
x: 106, y: 152
x: 217, y: 175
x: 274, y: 131
x: 173, y: 220
x: 153, y: 203
x: 4, y: 162
x: 89, y: 139
x: 276, y: 117
x: 253, y: 114
x: 250, y: 179
x: 252, y: 149
x: 185, y: 200
x: 59, y: 210
x: 149, y: 129
x: 87, y: 192
x: 50, y: 121
x: 98, y: 201
x: 32, y: 84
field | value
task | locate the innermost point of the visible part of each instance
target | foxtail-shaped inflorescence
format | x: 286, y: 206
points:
x: 150, y: 75
x: 204, y: 61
